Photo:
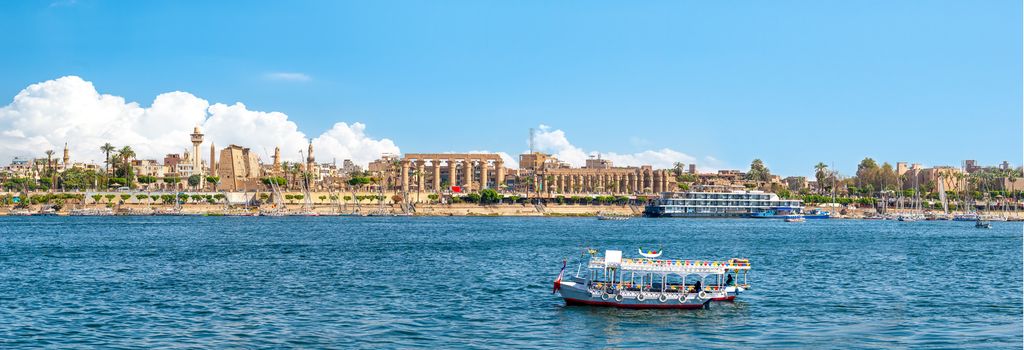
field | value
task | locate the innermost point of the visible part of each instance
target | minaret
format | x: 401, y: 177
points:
x: 67, y: 156
x: 197, y: 161
x: 277, y: 158
x: 213, y: 160
x: 309, y: 158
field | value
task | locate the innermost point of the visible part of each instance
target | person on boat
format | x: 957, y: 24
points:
x: 728, y: 280
x: 697, y: 287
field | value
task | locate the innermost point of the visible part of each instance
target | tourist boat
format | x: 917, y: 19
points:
x: 735, y: 204
x: 47, y: 212
x: 796, y: 219
x: 648, y: 283
x: 20, y: 212
x: 966, y: 217
x: 910, y: 217
x: 817, y: 214
x: 993, y: 217
x: 273, y: 213
x: 91, y: 212
x: 602, y: 216
x: 982, y: 224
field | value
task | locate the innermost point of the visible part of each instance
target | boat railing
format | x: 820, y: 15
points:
x: 674, y: 266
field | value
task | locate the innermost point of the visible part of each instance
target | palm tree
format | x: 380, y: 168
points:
x: 1011, y: 176
x: 127, y: 154
x: 49, y: 158
x: 107, y: 148
x: 49, y: 168
x: 819, y: 174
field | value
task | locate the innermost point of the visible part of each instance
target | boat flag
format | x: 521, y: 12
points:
x: 558, y: 281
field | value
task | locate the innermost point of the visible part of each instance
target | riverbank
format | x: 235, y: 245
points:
x: 462, y: 209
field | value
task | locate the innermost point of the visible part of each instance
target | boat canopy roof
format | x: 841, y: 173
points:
x: 681, y: 267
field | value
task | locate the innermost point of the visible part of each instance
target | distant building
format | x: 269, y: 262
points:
x: 796, y: 183
x: 348, y: 167
x: 598, y: 163
x: 239, y: 169
x: 147, y: 167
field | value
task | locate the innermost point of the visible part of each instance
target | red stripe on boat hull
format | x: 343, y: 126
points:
x: 571, y: 301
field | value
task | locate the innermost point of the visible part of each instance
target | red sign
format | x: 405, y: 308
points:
x: 456, y: 189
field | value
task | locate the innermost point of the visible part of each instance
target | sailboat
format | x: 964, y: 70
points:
x: 278, y: 208
x: 307, y: 204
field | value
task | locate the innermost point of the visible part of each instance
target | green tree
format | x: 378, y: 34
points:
x: 107, y: 148
x: 215, y: 180
x: 758, y: 172
x: 820, y: 173
x: 96, y: 198
x: 109, y: 197
x: 194, y: 181
x: 488, y: 196
x: 125, y: 197
x: 126, y: 154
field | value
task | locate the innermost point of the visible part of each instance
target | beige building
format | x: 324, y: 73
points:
x: 599, y: 176
x: 434, y: 172
x: 239, y: 169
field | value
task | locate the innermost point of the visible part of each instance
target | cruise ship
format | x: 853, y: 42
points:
x: 734, y: 204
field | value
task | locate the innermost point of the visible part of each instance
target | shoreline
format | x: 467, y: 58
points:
x: 422, y: 210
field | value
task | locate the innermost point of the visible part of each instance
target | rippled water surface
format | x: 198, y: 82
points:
x: 486, y: 282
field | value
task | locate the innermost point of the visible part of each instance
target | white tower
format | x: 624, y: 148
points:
x: 197, y: 160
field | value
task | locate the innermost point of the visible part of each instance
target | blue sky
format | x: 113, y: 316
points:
x: 792, y: 83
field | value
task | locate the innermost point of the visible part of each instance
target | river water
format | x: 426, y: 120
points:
x: 455, y: 282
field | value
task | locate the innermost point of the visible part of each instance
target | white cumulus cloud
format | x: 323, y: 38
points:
x: 344, y: 141
x: 555, y: 142
x: 69, y: 109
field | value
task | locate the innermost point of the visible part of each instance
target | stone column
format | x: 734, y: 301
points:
x: 405, y: 175
x: 558, y: 184
x: 632, y: 182
x: 646, y: 182
x: 665, y: 176
x: 499, y: 167
x: 656, y: 187
x: 436, y: 165
x: 483, y: 174
x: 420, y: 175
x: 452, y: 171
x: 467, y: 166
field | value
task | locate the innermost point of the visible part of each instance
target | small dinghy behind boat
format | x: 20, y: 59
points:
x: 650, y: 283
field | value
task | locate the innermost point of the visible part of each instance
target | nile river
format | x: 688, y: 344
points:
x: 486, y: 282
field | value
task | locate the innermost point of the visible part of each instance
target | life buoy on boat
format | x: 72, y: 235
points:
x: 604, y: 296
x: 702, y: 295
x: 640, y: 297
x: 682, y: 298
x: 618, y: 297
x: 662, y: 298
